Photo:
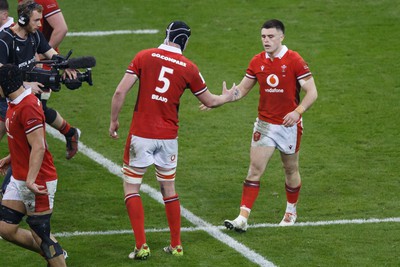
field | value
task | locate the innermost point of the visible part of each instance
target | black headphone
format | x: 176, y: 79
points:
x: 24, y: 16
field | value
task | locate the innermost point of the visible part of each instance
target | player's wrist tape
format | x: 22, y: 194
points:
x: 300, y: 109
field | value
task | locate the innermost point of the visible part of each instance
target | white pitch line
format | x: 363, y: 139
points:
x: 353, y: 221
x: 210, y: 229
x: 106, y: 33
x: 261, y: 225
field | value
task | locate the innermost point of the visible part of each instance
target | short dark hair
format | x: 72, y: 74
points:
x: 10, y: 78
x: 4, y: 5
x: 274, y: 23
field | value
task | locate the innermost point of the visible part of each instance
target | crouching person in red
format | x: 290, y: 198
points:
x: 34, y: 179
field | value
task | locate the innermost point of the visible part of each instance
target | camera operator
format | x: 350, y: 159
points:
x: 5, y: 22
x: 18, y: 45
x: 54, y: 27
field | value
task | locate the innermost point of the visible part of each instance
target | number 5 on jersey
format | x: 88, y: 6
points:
x: 164, y: 79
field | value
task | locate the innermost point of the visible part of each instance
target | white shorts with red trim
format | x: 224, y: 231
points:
x: 286, y: 139
x: 142, y: 152
x: 17, y: 190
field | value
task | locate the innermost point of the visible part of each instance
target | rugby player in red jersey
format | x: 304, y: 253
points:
x: 33, y: 183
x: 163, y: 74
x: 281, y: 74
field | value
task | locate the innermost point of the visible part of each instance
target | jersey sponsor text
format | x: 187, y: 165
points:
x: 274, y: 90
x: 173, y: 60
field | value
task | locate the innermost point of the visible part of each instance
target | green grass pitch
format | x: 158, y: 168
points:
x: 350, y: 153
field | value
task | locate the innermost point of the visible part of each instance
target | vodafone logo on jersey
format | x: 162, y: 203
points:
x: 272, y: 80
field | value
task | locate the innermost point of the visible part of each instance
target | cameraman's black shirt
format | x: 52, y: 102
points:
x: 21, y: 52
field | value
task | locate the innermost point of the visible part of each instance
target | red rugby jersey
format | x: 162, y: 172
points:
x: 279, y: 83
x: 164, y: 74
x: 24, y: 115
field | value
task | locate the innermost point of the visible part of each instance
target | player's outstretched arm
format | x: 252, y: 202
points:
x: 117, y: 101
x: 210, y: 100
x: 233, y: 94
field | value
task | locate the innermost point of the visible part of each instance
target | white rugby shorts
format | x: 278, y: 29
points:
x: 17, y: 190
x: 285, y: 139
x: 144, y: 152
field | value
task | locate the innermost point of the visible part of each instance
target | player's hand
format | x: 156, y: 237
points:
x: 203, y: 107
x: 37, y: 189
x: 113, y: 130
x: 4, y: 164
x: 232, y: 93
x: 226, y: 96
x: 291, y: 118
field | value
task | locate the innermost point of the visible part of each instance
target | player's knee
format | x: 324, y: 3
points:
x: 256, y: 170
x: 50, y: 115
x: 291, y: 169
x: 40, y: 224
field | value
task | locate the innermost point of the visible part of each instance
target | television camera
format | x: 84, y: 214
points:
x: 52, y: 79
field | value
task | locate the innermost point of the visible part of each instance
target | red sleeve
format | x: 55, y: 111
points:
x: 50, y: 7
x: 301, y: 68
x: 197, y: 84
x: 32, y: 117
x: 250, y: 72
x: 135, y: 66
